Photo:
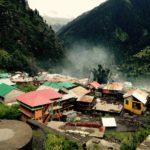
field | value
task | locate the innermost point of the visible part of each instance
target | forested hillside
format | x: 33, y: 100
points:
x: 25, y: 38
x: 122, y: 26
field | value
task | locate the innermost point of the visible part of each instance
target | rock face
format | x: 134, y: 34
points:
x: 15, y: 135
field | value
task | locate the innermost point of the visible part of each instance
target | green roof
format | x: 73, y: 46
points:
x: 59, y: 85
x: 5, y: 89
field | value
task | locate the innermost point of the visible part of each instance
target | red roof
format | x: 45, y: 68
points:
x: 38, y: 98
x: 95, y: 84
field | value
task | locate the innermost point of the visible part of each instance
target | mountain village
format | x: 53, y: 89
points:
x: 79, y: 109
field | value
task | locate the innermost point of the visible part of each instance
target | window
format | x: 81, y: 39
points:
x: 136, y: 105
x: 127, y: 102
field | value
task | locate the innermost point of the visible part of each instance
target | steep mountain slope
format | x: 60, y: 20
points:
x: 122, y: 26
x: 25, y: 38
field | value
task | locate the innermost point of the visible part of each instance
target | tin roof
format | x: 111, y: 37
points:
x: 6, y: 81
x: 67, y: 96
x: 115, y: 86
x: 138, y: 94
x: 86, y: 99
x: 39, y: 98
x: 42, y: 87
x: 4, y: 75
x: 108, y: 107
x: 95, y: 84
x: 59, y: 85
x: 5, y: 89
x: 109, y: 122
x: 11, y: 96
x: 79, y: 91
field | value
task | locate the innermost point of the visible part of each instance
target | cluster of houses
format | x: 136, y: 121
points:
x: 58, y: 97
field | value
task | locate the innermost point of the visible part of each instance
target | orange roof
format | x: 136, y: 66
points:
x: 115, y: 86
x: 95, y: 84
x: 38, y: 98
x: 86, y: 98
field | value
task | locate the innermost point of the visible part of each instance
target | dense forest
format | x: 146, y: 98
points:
x: 122, y: 26
x: 25, y: 39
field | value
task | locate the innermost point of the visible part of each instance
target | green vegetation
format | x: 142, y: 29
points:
x: 9, y: 112
x: 128, y: 140
x: 101, y: 74
x: 138, y: 64
x: 27, y: 87
x: 25, y: 38
x: 38, y: 140
x: 56, y: 142
x: 121, y: 26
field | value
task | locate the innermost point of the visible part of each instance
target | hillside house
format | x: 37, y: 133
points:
x: 68, y: 102
x: 8, y: 94
x: 85, y: 102
x: 135, y: 101
x: 40, y: 105
x: 113, y: 89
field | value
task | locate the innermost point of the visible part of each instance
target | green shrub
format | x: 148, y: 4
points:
x: 56, y: 142
x: 9, y: 112
x: 136, y: 139
x: 27, y: 88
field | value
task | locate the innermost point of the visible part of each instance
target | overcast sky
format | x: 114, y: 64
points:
x: 63, y: 8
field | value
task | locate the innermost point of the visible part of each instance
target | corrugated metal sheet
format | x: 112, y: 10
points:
x: 39, y: 98
x: 95, y: 84
x: 79, y: 91
x: 5, y: 89
x: 11, y: 96
x: 59, y: 85
x: 42, y: 87
x: 4, y: 75
x: 109, y: 122
x: 115, y: 86
x: 7, y: 81
x: 86, y: 98
x: 67, y: 96
x: 138, y: 94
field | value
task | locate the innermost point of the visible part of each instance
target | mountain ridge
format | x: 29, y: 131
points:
x: 122, y: 26
x: 26, y: 37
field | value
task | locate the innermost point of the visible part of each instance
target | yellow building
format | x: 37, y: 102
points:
x: 135, y: 101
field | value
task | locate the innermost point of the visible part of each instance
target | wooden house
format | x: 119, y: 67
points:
x: 85, y: 102
x: 113, y: 89
x: 68, y: 102
x: 40, y: 105
x: 135, y: 101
